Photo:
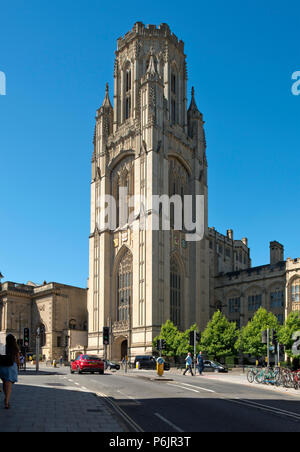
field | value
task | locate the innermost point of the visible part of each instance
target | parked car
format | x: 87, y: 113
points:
x: 87, y: 363
x: 214, y: 366
x: 111, y: 365
x: 148, y: 362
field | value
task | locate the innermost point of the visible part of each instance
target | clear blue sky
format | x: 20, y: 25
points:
x: 57, y: 57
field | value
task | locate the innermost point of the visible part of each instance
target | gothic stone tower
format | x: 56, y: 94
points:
x: 150, y: 143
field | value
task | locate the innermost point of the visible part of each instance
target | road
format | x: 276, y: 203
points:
x: 191, y: 404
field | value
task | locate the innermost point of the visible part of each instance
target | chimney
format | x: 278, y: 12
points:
x: 276, y: 252
x: 245, y: 241
x: 230, y: 234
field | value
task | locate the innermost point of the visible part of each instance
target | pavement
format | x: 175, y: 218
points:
x: 48, y: 402
x: 53, y: 400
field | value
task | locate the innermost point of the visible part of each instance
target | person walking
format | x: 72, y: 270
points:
x: 9, y: 374
x: 200, y: 363
x: 189, y: 364
x: 22, y: 361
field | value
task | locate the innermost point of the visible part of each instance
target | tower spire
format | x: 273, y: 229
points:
x: 106, y: 102
x: 193, y: 106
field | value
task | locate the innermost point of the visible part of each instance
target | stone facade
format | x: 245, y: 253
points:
x: 150, y: 143
x: 60, y: 311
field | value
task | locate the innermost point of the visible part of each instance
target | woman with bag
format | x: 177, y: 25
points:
x: 9, y: 365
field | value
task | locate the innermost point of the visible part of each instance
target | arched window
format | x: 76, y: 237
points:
x: 174, y: 97
x: 178, y: 185
x: 123, y: 190
x: 72, y: 324
x: 124, y: 287
x: 127, y: 92
x: 296, y: 291
x: 176, y: 286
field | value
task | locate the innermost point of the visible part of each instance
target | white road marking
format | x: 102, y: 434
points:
x: 169, y: 423
x: 199, y: 387
x: 183, y: 387
x: 260, y: 406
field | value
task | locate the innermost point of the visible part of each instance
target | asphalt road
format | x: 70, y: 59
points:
x: 191, y: 404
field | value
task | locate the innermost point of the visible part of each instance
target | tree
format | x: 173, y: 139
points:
x: 219, y: 337
x: 171, y: 334
x: 250, y: 337
x: 285, y: 336
x: 184, y: 344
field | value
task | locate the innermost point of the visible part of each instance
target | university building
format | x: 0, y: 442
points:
x: 152, y: 143
x: 58, y: 310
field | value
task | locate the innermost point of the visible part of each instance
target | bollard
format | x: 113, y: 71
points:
x: 160, y: 367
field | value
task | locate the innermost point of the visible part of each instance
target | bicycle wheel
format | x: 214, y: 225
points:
x: 259, y: 377
x: 250, y: 376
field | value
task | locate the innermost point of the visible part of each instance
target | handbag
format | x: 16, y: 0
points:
x: 6, y: 361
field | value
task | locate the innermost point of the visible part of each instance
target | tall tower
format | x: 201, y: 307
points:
x: 150, y: 144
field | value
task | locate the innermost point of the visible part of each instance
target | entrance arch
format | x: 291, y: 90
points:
x: 119, y: 348
x: 124, y: 349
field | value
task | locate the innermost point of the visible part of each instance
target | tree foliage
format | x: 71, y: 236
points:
x: 250, y: 337
x: 219, y: 337
x: 172, y: 336
x: 291, y: 326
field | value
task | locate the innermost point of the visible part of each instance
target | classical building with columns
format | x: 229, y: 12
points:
x: 58, y: 310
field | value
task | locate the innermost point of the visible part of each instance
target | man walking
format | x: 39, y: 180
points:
x: 189, y: 364
x: 200, y: 363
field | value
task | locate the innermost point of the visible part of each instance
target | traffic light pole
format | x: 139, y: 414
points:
x: 37, y: 350
x: 268, y: 342
x: 195, y: 350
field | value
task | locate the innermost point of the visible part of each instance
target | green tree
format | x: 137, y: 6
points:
x: 291, y: 326
x: 219, y: 337
x: 250, y: 337
x: 184, y: 344
x: 171, y: 334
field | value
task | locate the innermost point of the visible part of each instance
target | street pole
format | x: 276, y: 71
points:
x: 37, y: 350
x: 195, y: 350
x: 268, y: 344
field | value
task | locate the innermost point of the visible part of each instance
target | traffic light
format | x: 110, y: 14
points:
x: 264, y: 337
x: 158, y: 344
x: 192, y: 338
x: 163, y: 344
x: 26, y: 337
x: 106, y: 335
x: 198, y: 337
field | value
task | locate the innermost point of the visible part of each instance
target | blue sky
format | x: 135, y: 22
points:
x: 57, y: 57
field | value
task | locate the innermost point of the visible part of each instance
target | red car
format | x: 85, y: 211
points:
x: 87, y: 363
